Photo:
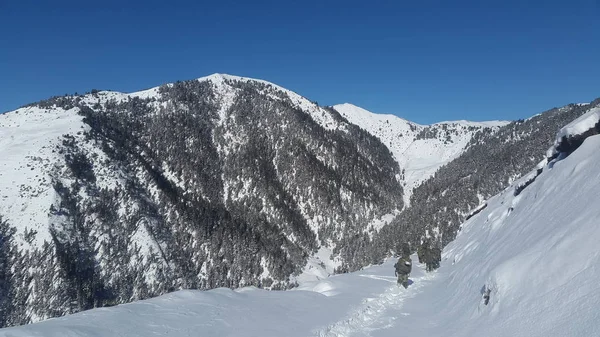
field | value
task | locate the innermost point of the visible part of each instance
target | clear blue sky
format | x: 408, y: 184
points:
x: 425, y: 61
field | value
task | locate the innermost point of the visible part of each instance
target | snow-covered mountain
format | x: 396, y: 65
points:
x: 420, y: 150
x: 221, y: 181
x: 224, y: 181
x: 524, y: 265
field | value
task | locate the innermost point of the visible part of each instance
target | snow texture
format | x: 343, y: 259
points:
x: 581, y: 124
x: 332, y: 307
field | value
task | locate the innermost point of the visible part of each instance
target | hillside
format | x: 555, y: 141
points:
x: 490, y: 163
x: 420, y: 150
x: 525, y: 265
x: 217, y: 182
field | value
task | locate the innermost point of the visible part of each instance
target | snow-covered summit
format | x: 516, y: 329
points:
x: 489, y: 124
x: 226, y: 90
x: 219, y: 78
x: 216, y: 78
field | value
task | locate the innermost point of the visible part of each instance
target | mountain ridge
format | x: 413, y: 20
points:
x: 419, y: 149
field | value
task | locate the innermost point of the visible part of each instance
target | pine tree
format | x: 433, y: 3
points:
x: 6, y: 281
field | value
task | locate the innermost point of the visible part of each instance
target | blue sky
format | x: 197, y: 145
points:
x: 425, y: 61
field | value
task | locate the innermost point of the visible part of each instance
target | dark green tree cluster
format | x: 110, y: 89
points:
x: 430, y: 253
x: 6, y: 277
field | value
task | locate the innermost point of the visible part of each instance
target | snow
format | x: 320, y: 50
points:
x: 27, y: 139
x: 319, y: 266
x: 316, y: 309
x: 378, y: 223
x: 581, y: 124
x: 143, y: 239
x: 489, y: 124
x: 144, y: 94
x: 536, y: 253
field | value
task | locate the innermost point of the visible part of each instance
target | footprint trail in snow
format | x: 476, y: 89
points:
x: 371, y: 314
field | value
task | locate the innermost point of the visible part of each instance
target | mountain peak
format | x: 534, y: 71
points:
x: 349, y: 108
x: 219, y: 78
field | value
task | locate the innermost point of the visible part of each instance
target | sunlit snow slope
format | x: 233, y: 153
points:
x: 534, y: 248
x: 337, y: 306
x: 536, y: 252
x: 27, y: 140
x: 419, y: 149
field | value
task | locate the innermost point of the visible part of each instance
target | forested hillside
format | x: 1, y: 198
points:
x: 218, y: 182
x: 224, y: 181
x: 491, y: 163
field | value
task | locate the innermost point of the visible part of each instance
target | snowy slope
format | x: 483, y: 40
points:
x: 535, y: 251
x: 581, y: 124
x: 27, y: 139
x: 338, y: 306
x: 419, y: 155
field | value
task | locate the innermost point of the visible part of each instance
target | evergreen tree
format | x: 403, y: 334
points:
x: 6, y: 278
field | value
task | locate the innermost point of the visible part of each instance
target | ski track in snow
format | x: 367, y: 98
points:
x: 370, y: 315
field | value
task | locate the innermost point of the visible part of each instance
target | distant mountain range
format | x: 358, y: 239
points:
x: 227, y: 181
